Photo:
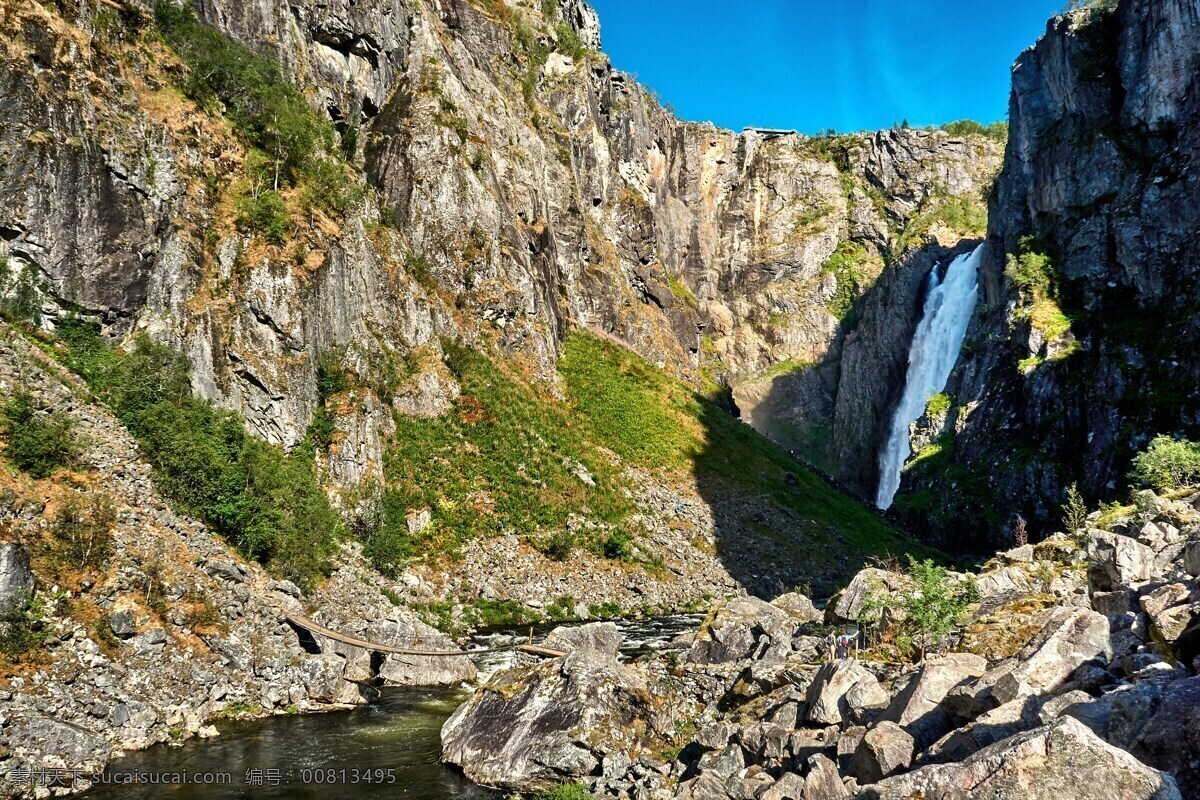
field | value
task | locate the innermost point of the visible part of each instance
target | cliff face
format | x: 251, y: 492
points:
x: 515, y: 185
x: 1065, y: 376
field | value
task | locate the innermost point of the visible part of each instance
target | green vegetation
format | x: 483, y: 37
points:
x: 22, y: 627
x: 1033, y: 273
x: 82, y: 530
x: 846, y: 266
x: 1029, y: 270
x: 939, y: 404
x: 651, y: 420
x: 509, y: 459
x: 1168, y: 463
x: 1074, y: 511
x: 479, y: 614
x: 566, y: 791
x: 297, y: 146
x: 968, y: 127
x: 39, y: 440
x: 505, y: 458
x: 268, y: 504
x: 930, y: 610
x: 962, y: 214
x: 569, y: 42
x: 21, y: 303
x: 1098, y: 8
x: 266, y: 215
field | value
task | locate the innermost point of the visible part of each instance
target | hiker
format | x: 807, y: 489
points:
x: 830, y: 644
x: 843, y: 647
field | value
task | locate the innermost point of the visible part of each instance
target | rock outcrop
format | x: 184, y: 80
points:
x: 531, y: 728
x: 1098, y: 176
x: 1063, y: 761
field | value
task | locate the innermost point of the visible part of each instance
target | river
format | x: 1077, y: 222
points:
x: 389, y: 749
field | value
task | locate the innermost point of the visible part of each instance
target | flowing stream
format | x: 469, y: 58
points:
x: 949, y: 302
x: 388, y: 749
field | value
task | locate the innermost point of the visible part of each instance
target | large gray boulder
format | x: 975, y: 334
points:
x: 823, y: 781
x: 799, y: 606
x: 870, y: 584
x: 1170, y: 738
x: 844, y: 691
x: 744, y: 627
x: 1191, y: 558
x: 16, y: 579
x: 884, y: 750
x: 36, y: 740
x: 601, y: 637
x: 1061, y: 761
x: 917, y: 707
x: 1070, y: 636
x: 1117, y: 562
x: 531, y: 728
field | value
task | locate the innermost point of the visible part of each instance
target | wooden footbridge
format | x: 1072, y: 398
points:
x: 312, y: 627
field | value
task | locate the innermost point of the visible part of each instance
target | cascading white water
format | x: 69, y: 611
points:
x: 934, y: 349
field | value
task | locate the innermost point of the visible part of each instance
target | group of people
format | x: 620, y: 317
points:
x: 838, y: 644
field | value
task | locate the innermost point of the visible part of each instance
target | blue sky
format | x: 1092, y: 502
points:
x: 816, y: 64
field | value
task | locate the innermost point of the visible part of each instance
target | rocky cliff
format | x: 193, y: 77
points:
x: 513, y: 185
x: 1084, y: 348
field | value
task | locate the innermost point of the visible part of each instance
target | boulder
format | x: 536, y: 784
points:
x: 530, y: 728
x: 790, y: 786
x: 916, y: 708
x: 1170, y: 739
x: 799, y: 607
x: 869, y: 584
x: 121, y: 623
x: 990, y: 727
x: 16, y: 579
x: 1191, y: 558
x: 1117, y: 562
x: 403, y: 670
x: 36, y: 740
x: 322, y: 676
x: 1061, y: 761
x: 843, y: 691
x: 744, y: 627
x: 602, y: 637
x: 1069, y: 637
x: 823, y: 782
x: 884, y: 750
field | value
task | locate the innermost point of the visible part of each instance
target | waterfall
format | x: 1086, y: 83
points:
x: 949, y: 303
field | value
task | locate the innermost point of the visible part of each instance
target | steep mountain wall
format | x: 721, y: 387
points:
x: 1065, y: 380
x: 515, y: 185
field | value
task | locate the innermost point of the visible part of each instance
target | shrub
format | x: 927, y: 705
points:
x: 967, y: 127
x: 617, y: 545
x: 569, y: 42
x: 388, y: 542
x: 39, y: 440
x: 1029, y: 270
x: 559, y: 545
x: 931, y: 610
x: 22, y: 627
x: 82, y: 530
x: 265, y: 214
x: 1167, y: 463
x: 1074, y: 511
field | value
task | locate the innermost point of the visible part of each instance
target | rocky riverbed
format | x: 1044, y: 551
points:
x: 1073, y: 676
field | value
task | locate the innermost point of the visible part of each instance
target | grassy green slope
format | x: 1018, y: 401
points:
x: 507, y: 458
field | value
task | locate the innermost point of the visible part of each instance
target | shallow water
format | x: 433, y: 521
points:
x: 388, y: 749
